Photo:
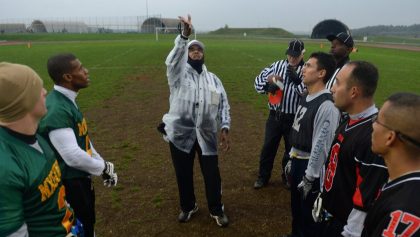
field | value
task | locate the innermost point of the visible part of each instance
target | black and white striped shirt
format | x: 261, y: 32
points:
x: 291, y: 92
x: 340, y: 65
x: 198, y: 103
x: 331, y: 81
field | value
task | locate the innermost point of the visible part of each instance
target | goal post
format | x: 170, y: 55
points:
x: 169, y: 30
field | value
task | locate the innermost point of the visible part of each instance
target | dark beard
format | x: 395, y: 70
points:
x: 196, y: 64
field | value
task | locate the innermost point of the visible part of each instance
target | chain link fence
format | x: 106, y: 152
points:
x: 129, y: 24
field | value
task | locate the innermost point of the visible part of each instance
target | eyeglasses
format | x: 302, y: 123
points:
x: 400, y: 135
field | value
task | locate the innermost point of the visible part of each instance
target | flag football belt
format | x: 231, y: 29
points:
x: 294, y: 155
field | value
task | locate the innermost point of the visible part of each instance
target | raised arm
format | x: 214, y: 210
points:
x: 177, y: 58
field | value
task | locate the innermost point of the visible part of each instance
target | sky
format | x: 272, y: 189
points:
x: 291, y: 15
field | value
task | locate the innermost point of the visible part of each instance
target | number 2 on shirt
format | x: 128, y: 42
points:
x: 299, y: 115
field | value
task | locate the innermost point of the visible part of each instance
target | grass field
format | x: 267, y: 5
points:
x: 113, y: 57
x: 126, y: 100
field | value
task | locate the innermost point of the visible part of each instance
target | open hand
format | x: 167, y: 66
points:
x: 187, y: 25
x: 224, y: 140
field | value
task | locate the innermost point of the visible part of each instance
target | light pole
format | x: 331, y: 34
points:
x: 147, y: 9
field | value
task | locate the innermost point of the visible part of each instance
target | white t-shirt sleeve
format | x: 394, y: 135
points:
x: 64, y: 141
x: 354, y: 226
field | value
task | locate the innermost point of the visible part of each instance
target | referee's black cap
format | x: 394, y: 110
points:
x: 296, y: 48
x: 342, y: 37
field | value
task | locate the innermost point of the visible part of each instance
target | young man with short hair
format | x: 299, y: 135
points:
x: 353, y: 173
x: 311, y: 136
x: 66, y: 129
x: 341, y: 46
x: 396, y: 137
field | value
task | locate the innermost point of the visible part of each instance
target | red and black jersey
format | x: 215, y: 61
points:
x: 354, y: 174
x: 396, y: 212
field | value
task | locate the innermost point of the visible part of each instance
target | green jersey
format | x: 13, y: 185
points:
x: 62, y: 113
x: 31, y: 189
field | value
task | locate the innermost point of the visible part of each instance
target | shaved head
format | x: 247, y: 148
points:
x: 403, y: 114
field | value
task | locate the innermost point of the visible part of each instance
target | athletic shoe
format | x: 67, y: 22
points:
x: 259, y: 183
x: 221, y: 220
x: 186, y: 216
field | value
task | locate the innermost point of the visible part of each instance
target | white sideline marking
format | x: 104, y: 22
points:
x: 112, y: 58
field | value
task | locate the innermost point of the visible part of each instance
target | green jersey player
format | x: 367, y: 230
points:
x: 66, y: 129
x: 32, y: 199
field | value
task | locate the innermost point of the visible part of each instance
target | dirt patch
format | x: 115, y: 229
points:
x: 5, y: 42
x: 145, y: 202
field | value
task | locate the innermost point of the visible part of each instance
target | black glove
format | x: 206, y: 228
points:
x: 108, y: 170
x: 161, y: 128
x: 293, y: 76
x: 272, y: 88
x: 305, y: 186
x: 111, y: 181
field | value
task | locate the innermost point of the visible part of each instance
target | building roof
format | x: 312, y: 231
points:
x: 328, y: 27
x: 59, y: 26
x: 151, y: 23
x: 12, y: 27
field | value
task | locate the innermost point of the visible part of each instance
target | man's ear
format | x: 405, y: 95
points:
x: 392, y: 138
x: 322, y: 73
x: 355, y: 91
x: 67, y: 77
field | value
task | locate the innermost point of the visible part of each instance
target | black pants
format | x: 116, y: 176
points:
x: 81, y: 197
x: 303, y: 224
x: 277, y: 126
x: 183, y: 164
x: 332, y: 227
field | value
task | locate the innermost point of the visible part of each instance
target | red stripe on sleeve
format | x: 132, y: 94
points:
x: 357, y: 196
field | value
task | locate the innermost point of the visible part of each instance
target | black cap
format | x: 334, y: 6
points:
x: 342, y: 37
x: 296, y: 48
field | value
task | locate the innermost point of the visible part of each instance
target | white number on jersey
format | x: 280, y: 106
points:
x: 299, y: 115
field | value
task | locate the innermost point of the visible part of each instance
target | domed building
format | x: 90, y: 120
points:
x: 150, y: 24
x: 328, y: 27
x: 40, y: 26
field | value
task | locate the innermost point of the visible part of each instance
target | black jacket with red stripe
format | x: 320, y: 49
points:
x: 354, y: 174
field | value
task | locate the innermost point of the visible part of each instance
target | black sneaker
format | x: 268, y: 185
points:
x: 186, y: 216
x: 259, y: 183
x: 221, y: 220
x: 285, y: 181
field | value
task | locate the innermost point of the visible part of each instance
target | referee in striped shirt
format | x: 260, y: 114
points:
x: 282, y: 82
